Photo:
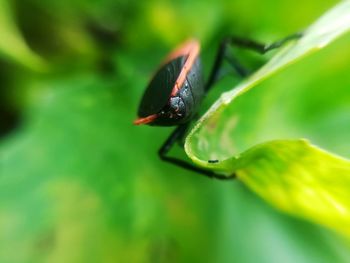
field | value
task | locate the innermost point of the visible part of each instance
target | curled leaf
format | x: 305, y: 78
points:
x: 292, y: 175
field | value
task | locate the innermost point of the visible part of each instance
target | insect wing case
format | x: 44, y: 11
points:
x: 180, y: 107
x: 157, y: 94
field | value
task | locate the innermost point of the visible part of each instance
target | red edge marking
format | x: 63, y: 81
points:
x: 146, y: 120
x: 190, y: 49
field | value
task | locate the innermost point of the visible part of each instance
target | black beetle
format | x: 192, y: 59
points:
x: 177, y: 90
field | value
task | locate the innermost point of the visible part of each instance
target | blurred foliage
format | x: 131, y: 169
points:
x: 79, y: 183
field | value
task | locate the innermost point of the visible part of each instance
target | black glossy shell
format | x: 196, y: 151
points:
x: 158, y: 92
x: 177, y: 109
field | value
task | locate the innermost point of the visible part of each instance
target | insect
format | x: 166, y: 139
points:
x: 177, y: 89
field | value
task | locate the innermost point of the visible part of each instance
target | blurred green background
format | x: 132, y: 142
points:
x: 80, y: 183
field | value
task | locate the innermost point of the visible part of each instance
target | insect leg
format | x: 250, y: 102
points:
x: 168, y: 144
x: 246, y: 44
x: 219, y: 59
x: 261, y: 47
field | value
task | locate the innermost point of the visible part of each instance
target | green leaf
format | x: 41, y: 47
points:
x: 300, y: 179
x: 12, y: 44
x: 283, y: 172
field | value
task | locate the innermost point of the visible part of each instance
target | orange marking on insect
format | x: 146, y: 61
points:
x: 190, y: 49
x: 146, y: 120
